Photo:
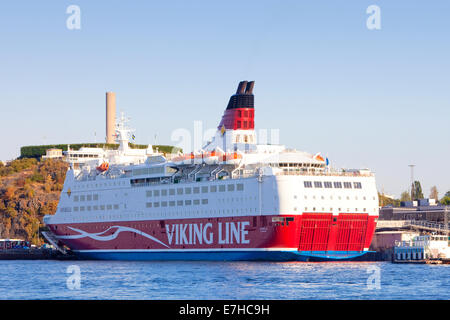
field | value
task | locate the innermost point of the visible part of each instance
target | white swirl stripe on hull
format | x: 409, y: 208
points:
x: 98, y: 236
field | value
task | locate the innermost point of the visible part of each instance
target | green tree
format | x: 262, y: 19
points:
x: 445, y: 200
x: 417, y: 190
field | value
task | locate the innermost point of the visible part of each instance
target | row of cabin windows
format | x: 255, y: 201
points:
x: 246, y: 113
x: 179, y: 203
x: 245, y: 138
x: 96, y: 185
x: 245, y: 124
x: 329, y: 184
x: 195, y: 190
x: 331, y: 197
x: 331, y: 209
x: 295, y: 165
x: 95, y: 208
x: 88, y: 197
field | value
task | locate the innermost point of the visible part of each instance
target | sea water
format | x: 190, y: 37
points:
x: 53, y: 279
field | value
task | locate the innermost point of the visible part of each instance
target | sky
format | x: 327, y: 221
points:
x: 365, y: 98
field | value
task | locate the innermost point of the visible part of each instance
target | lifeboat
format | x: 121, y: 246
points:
x: 317, y: 156
x: 103, y: 167
x: 231, y: 158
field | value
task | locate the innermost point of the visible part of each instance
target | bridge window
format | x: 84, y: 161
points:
x: 308, y: 184
x: 317, y: 184
x: 337, y: 185
x: 328, y: 184
x: 347, y: 185
x: 357, y: 185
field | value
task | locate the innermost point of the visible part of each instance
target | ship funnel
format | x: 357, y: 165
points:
x: 250, y: 86
x: 241, y: 87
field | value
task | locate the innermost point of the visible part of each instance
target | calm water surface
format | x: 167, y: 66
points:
x: 223, y: 280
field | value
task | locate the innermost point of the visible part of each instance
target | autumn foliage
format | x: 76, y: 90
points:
x: 29, y: 189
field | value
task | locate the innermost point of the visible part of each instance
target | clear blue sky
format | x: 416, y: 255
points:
x: 364, y: 98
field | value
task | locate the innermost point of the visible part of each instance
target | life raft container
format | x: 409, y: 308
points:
x: 103, y: 167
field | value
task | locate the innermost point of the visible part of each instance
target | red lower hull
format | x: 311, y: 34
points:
x: 310, y: 232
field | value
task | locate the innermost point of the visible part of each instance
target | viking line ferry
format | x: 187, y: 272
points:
x: 234, y: 199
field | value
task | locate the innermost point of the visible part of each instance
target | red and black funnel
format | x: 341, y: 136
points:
x: 240, y: 112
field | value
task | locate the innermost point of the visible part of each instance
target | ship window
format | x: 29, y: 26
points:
x: 156, y: 193
x: 205, y: 189
x: 82, y: 198
x: 222, y: 188
x: 88, y: 197
x: 213, y: 188
x: 308, y: 184
x: 204, y: 201
x: 95, y: 196
x: 95, y: 208
x: 108, y: 207
x: 187, y: 190
x: 172, y: 203
x: 196, y: 202
x: 317, y: 184
x: 75, y: 198
x: 149, y: 193
x: 337, y: 185
x: 180, y: 191
x: 347, y: 185
x: 156, y: 204
x: 357, y: 185
x: 164, y: 204
x: 171, y: 192
x: 116, y: 207
x: 240, y: 187
x: 164, y: 192
x: 75, y: 209
x: 81, y: 208
x: 196, y: 190
x: 148, y: 204
x: 102, y: 207
x: 187, y: 202
x: 179, y: 202
x: 328, y: 184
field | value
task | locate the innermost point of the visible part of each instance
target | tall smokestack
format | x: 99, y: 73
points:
x: 110, y: 117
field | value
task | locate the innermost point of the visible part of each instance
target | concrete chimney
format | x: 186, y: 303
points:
x: 110, y: 117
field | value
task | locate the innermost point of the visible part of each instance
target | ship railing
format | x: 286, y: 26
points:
x: 428, y: 224
x: 330, y: 174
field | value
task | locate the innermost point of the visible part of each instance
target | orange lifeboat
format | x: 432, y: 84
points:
x: 103, y: 167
